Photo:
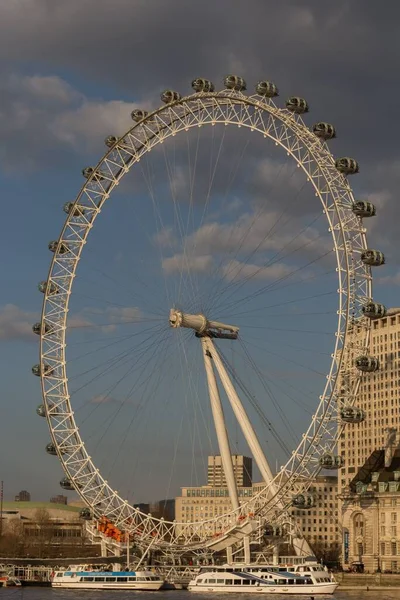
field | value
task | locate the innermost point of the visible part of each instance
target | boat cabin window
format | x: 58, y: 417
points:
x: 122, y: 578
x: 237, y: 581
x: 228, y: 581
x: 60, y: 574
x: 99, y: 578
x: 87, y: 578
x: 246, y: 581
x: 132, y: 578
x: 110, y: 578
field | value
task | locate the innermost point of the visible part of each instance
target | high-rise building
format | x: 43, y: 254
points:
x: 242, y: 468
x: 320, y: 525
x: 368, y: 449
x: 23, y: 496
x: 59, y: 499
x: 378, y: 396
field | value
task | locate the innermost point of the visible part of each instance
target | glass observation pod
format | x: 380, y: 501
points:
x: 138, y: 115
x: 368, y: 364
x: 37, y: 328
x: 347, y: 166
x: 53, y: 288
x: 51, y: 449
x: 88, y: 172
x: 364, y: 209
x: 297, y: 105
x: 169, y: 96
x: 352, y: 414
x: 40, y: 410
x: 234, y: 82
x: 110, y: 140
x: 53, y: 247
x: 202, y: 85
x: 274, y: 530
x: 85, y: 514
x: 267, y: 88
x: 325, y: 131
x: 373, y: 258
x: 73, y: 209
x: 303, y: 501
x: 373, y: 310
x: 47, y: 370
x: 67, y: 484
x: 331, y: 461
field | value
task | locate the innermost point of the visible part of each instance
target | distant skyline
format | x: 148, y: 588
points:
x: 70, y: 74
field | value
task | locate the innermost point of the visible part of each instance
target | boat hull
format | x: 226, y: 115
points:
x: 322, y: 589
x: 129, y: 585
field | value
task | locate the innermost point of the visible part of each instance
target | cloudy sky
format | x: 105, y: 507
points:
x: 72, y: 72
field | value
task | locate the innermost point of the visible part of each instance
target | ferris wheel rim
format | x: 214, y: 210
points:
x: 237, y: 99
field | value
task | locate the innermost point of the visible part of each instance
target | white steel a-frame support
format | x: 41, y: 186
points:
x: 241, y: 416
x: 220, y: 428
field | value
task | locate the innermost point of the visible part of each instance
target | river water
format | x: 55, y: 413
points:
x: 27, y: 593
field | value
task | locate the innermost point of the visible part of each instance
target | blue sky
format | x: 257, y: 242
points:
x: 71, y: 73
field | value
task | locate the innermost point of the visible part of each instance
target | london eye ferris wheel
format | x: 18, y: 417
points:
x: 220, y: 303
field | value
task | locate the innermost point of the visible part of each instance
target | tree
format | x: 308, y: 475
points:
x: 43, y: 531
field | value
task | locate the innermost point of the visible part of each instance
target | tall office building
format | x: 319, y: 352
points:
x: 242, y: 468
x: 369, y: 481
x: 378, y: 397
x: 23, y: 496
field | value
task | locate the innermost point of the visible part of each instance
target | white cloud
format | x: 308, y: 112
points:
x: 187, y: 263
x: 42, y: 117
x: 390, y: 279
x: 16, y: 324
x: 103, y: 399
x: 91, y: 121
x: 236, y: 271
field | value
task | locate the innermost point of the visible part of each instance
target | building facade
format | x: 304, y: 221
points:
x: 321, y: 525
x: 369, y: 447
x: 23, y: 496
x: 242, y: 468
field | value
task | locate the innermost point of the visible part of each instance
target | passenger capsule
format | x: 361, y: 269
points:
x: 373, y: 310
x: 37, y: 328
x: 41, y: 411
x: 53, y: 247
x: 367, y: 364
x: 331, y: 461
x: 47, y: 370
x: 53, y: 288
x: 325, y: 131
x: 138, y: 115
x: 233, y: 82
x: 73, y: 209
x: 85, y: 514
x: 297, y: 105
x: 274, y: 530
x: 202, y: 85
x: 67, y: 484
x: 373, y: 258
x: 169, y: 96
x: 90, y: 172
x: 267, y: 88
x: 51, y: 449
x: 347, y: 166
x: 110, y: 140
x: 303, y: 501
x: 352, y: 414
x: 364, y: 209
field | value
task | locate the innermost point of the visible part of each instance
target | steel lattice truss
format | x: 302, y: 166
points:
x: 312, y: 155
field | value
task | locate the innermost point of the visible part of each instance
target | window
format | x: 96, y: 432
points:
x: 394, y: 548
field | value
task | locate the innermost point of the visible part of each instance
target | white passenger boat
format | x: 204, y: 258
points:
x: 262, y: 580
x: 92, y: 577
